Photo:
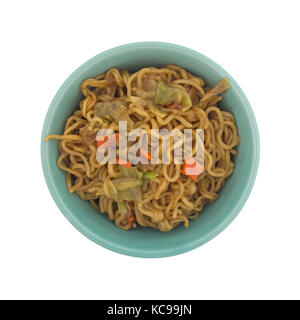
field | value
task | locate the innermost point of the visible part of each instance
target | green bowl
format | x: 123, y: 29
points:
x: 146, y: 242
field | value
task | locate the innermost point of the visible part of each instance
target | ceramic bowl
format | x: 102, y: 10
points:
x: 146, y: 242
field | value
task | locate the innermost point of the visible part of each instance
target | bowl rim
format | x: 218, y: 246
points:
x: 154, y: 253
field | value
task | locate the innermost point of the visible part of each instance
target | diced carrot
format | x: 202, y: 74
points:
x: 193, y: 177
x: 184, y: 168
x: 123, y: 163
x: 174, y: 106
x: 192, y: 168
x: 109, y: 136
x: 145, y: 154
x: 103, y: 142
x: 130, y: 220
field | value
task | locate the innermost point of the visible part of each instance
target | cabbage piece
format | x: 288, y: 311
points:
x: 132, y: 194
x: 125, y: 183
x: 113, y: 110
x: 185, y: 101
x: 145, y: 185
x: 166, y: 95
x: 131, y: 172
x: 221, y: 87
x: 103, y: 108
x: 108, y: 118
x: 111, y: 188
x: 122, y: 207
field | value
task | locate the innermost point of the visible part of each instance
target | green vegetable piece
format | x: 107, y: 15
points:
x: 113, y: 110
x: 112, y: 188
x: 186, y: 101
x: 125, y: 183
x: 166, y: 95
x: 131, y: 172
x: 150, y: 175
x: 122, y: 207
x: 128, y: 185
x: 108, y: 118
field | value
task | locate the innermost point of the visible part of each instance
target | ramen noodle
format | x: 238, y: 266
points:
x: 160, y: 196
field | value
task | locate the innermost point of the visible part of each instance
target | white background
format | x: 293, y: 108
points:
x: 43, y: 256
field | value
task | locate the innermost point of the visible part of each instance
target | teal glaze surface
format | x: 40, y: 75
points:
x: 146, y: 242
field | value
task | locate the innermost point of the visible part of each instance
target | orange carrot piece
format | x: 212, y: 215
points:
x: 123, y: 163
x: 103, y: 142
x: 130, y: 220
x: 145, y: 154
x: 192, y: 169
x: 174, y: 106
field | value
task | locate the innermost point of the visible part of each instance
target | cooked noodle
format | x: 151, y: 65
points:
x: 170, y: 197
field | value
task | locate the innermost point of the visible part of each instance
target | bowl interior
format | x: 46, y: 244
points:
x: 145, y: 242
